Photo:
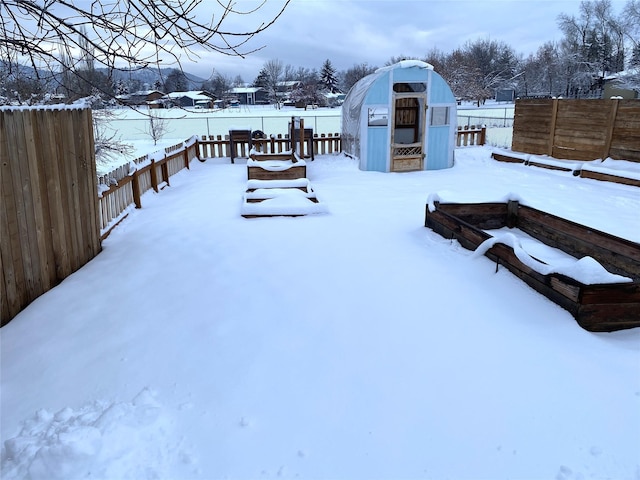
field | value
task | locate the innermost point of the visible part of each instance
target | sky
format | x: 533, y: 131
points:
x: 350, y: 32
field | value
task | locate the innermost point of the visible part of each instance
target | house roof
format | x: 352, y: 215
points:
x: 246, y: 89
x: 193, y: 94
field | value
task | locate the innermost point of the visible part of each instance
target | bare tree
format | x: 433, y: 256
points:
x: 355, y: 73
x: 593, y: 45
x: 124, y: 34
x: 108, y: 146
x: 219, y: 84
x: 631, y: 15
x: 274, y: 73
x: 157, y: 127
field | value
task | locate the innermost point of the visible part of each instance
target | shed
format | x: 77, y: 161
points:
x: 400, y: 118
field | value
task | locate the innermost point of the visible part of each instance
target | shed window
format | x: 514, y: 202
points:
x: 439, y: 116
x: 413, y: 87
x: 378, y: 117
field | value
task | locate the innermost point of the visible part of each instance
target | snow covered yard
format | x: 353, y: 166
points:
x: 352, y: 344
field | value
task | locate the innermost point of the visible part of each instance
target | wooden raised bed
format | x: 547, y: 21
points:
x: 609, y: 177
x: 596, y: 307
x: 265, y: 168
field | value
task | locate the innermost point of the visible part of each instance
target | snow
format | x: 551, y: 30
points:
x: 547, y: 260
x: 407, y: 64
x: 276, y: 165
x: 356, y: 344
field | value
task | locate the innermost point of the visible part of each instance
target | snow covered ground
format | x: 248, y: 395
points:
x: 355, y: 344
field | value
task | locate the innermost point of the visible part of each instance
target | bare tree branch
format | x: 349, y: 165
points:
x: 124, y: 34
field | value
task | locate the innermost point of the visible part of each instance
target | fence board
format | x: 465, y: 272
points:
x: 579, y: 129
x: 12, y: 267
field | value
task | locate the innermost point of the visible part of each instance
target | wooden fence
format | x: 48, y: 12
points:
x: 217, y: 146
x: 471, y: 135
x: 123, y: 187
x: 578, y: 129
x: 48, y: 217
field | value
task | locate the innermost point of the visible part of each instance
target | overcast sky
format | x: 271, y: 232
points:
x: 350, y: 32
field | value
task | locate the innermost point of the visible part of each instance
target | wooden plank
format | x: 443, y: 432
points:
x: 533, y: 163
x: 87, y: 186
x: 41, y: 202
x: 25, y: 206
x: 486, y: 216
x: 74, y: 239
x: 66, y: 198
x: 609, y: 128
x: 608, y: 317
x: 257, y: 173
x: 57, y: 214
x: 616, y: 254
x: 552, y: 128
x: 609, y: 178
x: 10, y: 245
x: 611, y: 293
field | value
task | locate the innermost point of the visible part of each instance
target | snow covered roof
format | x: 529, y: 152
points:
x: 406, y: 64
x: 194, y: 94
x: 246, y: 89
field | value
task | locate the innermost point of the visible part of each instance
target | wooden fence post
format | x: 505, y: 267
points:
x: 135, y: 188
x: 185, y: 154
x: 154, y: 175
x: 552, y: 133
x: 612, y: 121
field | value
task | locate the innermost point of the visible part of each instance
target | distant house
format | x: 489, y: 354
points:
x: 613, y: 86
x: 250, y: 95
x: 335, y: 99
x: 142, y: 97
x: 284, y: 89
x: 193, y: 98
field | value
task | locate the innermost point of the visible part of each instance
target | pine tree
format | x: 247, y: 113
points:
x: 262, y: 80
x: 120, y: 88
x: 328, y: 77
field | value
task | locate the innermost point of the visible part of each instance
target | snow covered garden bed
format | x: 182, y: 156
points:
x: 596, y: 277
x: 608, y: 170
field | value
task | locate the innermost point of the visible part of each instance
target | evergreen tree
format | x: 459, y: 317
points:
x: 120, y: 87
x: 262, y: 80
x: 328, y: 77
x: 176, y: 81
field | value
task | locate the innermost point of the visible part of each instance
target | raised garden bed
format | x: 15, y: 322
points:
x: 609, y: 170
x: 276, y: 169
x: 597, y: 305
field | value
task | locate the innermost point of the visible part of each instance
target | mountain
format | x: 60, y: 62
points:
x: 149, y: 76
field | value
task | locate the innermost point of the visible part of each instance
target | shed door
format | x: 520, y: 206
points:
x: 407, y: 132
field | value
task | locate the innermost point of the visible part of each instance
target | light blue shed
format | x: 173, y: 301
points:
x: 400, y: 118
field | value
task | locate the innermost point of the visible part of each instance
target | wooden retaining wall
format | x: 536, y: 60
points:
x: 578, y: 129
x: 48, y: 216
